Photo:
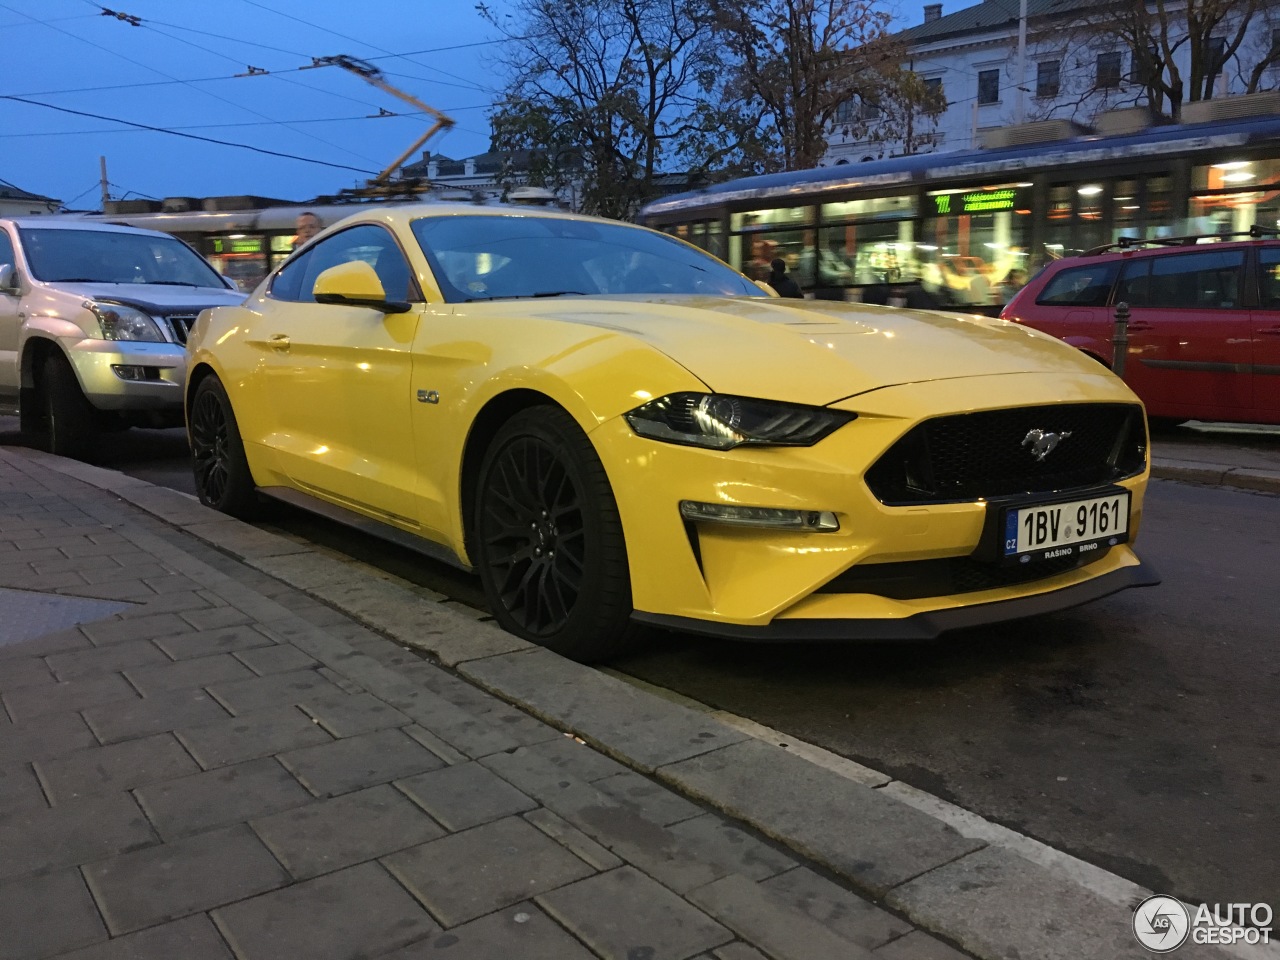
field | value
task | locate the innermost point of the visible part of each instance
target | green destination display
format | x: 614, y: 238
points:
x: 237, y: 244
x: 981, y: 201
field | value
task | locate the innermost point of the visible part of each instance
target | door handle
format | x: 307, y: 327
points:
x: 1270, y: 331
x: 1139, y: 326
x: 279, y: 342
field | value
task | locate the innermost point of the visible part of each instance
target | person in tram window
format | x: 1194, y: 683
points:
x: 781, y: 282
x: 305, y: 227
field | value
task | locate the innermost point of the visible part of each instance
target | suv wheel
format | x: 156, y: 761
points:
x: 63, y: 421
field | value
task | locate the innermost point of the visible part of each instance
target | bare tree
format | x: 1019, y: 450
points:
x: 1177, y: 51
x: 606, y: 91
x: 802, y: 60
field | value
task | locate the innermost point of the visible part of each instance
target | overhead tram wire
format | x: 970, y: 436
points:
x: 138, y: 21
x: 343, y: 36
x: 409, y: 114
x: 163, y: 74
x: 188, y: 136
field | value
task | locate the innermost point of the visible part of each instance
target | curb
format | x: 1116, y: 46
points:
x: 993, y: 892
x: 1216, y: 474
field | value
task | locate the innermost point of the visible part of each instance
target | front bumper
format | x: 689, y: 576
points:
x: 160, y: 389
x: 919, y: 626
x: 713, y: 578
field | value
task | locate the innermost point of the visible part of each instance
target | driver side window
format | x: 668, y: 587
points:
x: 6, y: 253
x: 368, y: 242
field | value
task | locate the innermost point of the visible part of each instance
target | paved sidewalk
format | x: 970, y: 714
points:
x: 206, y: 753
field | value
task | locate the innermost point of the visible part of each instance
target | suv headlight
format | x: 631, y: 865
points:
x: 119, y: 322
x: 721, y: 422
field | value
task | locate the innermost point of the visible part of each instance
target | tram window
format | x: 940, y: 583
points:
x: 1086, y: 286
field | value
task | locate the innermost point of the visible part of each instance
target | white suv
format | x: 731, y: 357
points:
x: 93, y: 323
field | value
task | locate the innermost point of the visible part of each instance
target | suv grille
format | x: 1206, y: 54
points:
x: 180, y: 325
x: 976, y: 456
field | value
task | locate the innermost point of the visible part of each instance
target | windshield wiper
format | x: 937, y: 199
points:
x: 168, y: 283
x: 561, y: 293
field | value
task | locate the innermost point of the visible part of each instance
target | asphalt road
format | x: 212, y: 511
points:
x: 1140, y: 733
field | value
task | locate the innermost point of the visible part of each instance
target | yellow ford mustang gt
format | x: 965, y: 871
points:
x: 608, y: 425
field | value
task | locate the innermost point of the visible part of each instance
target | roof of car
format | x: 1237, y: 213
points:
x: 1171, y: 245
x: 74, y: 223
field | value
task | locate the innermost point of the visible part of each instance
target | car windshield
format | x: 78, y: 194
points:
x: 495, y: 257
x: 107, y: 256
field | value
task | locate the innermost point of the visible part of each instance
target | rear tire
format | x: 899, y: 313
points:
x: 65, y: 422
x: 548, y: 540
x: 222, y: 475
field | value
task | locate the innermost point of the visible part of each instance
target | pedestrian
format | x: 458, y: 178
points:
x: 783, y: 284
x: 305, y: 227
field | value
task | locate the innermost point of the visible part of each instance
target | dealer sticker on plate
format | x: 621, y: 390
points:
x: 1053, y: 530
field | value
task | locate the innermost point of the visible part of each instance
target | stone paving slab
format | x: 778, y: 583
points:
x: 464, y: 796
x: 182, y: 877
x: 505, y: 862
x: 46, y: 915
x: 251, y: 735
x: 41, y: 839
x: 119, y: 766
x: 219, y: 798
x: 139, y: 718
x: 346, y: 830
x: 624, y: 914
x: 522, y: 932
x: 192, y: 938
x: 377, y: 916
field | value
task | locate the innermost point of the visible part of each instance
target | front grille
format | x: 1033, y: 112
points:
x: 180, y: 325
x: 977, y: 456
x: 920, y: 579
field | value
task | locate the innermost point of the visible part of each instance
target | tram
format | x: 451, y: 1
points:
x: 971, y: 226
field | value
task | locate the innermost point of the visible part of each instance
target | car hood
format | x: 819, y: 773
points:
x: 818, y: 352
x: 154, y: 298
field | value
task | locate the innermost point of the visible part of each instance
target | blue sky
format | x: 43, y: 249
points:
x: 178, y: 71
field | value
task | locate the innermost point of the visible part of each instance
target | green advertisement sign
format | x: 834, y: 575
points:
x: 237, y: 244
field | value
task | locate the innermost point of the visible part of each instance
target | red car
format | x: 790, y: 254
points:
x: 1204, y: 327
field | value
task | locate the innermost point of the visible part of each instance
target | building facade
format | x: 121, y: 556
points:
x: 16, y: 202
x: 1074, y: 67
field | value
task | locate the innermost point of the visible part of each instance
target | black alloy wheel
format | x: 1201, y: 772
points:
x: 548, y: 541
x: 222, y: 476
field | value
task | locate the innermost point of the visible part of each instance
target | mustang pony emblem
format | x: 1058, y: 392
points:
x: 1043, y: 443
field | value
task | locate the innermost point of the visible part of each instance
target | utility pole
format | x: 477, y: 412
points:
x: 1020, y: 114
x: 102, y: 170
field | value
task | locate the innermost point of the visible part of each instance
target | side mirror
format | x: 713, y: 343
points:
x: 355, y: 284
x: 8, y: 277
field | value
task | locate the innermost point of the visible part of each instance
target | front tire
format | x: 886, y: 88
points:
x: 65, y: 420
x: 222, y: 475
x: 548, y: 540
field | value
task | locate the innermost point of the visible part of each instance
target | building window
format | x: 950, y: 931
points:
x: 933, y: 85
x: 1109, y: 73
x: 1274, y: 52
x: 988, y: 86
x: 1047, y: 73
x: 1215, y: 58
x: 869, y: 111
x: 847, y: 112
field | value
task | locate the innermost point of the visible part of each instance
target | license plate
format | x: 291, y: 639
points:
x: 1049, y: 531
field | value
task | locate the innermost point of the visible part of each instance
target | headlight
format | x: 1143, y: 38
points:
x: 721, y: 422
x: 119, y: 322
